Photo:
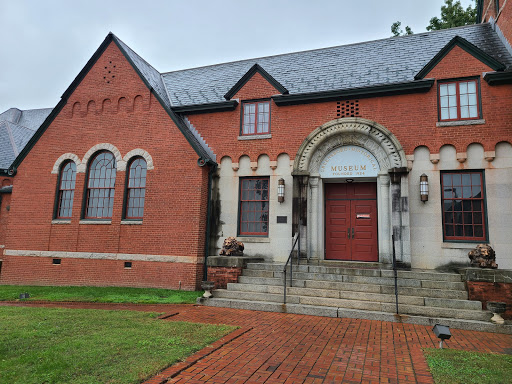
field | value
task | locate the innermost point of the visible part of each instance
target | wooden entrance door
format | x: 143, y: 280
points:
x: 351, y: 222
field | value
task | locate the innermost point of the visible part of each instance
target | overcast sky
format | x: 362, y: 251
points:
x: 45, y: 43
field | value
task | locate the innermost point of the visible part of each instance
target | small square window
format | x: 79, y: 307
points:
x: 127, y: 264
x: 256, y: 118
x: 459, y: 100
x: 56, y: 261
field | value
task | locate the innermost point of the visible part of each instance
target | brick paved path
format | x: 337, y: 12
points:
x: 287, y: 348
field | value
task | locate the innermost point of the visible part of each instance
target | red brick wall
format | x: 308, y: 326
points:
x: 19, y: 270
x: 484, y: 292
x: 502, y: 16
x: 123, y: 113
x: 412, y: 118
x: 224, y: 275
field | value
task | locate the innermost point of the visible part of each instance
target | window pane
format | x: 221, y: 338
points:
x: 254, y: 206
x: 463, y: 87
x: 473, y: 111
x: 464, y: 112
x: 451, y: 89
x: 444, y: 102
x: 443, y: 90
x: 453, y: 113
x: 445, y: 114
x: 472, y: 87
x: 464, y: 100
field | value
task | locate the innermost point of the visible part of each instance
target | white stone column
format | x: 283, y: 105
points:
x: 313, y: 218
x: 385, y: 224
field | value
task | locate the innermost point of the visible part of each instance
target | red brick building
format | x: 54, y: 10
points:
x: 137, y: 176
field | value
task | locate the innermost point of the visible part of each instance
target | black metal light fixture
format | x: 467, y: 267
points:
x: 424, y: 187
x: 280, y: 190
x: 442, y: 332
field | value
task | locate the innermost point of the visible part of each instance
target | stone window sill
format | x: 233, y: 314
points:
x: 253, y: 239
x: 61, y: 221
x: 460, y: 122
x: 460, y: 245
x: 131, y: 222
x: 96, y: 222
x: 255, y: 137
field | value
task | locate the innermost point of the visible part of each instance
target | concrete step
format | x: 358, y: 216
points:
x: 358, y: 288
x: 474, y: 325
x: 246, y: 290
x: 337, y: 270
x: 277, y: 278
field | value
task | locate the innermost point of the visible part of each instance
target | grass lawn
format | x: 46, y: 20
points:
x: 450, y: 366
x: 100, y: 294
x: 57, y: 345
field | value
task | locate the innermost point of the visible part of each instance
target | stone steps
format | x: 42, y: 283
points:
x: 341, y: 290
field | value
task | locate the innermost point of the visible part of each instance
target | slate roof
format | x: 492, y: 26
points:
x: 16, y: 129
x: 154, y: 79
x: 379, y: 62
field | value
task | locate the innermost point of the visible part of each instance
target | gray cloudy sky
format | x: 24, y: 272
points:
x: 45, y: 43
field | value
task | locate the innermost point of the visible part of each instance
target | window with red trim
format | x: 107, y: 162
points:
x: 136, y: 189
x: 458, y: 100
x: 463, y: 206
x: 254, y: 205
x: 256, y: 118
x: 67, y: 178
x: 100, y: 186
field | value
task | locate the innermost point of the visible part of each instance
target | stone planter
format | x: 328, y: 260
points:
x: 497, y: 308
x: 207, y: 286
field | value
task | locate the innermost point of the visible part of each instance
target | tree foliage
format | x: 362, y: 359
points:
x: 452, y: 15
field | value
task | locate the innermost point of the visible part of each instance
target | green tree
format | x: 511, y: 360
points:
x: 452, y: 15
x: 397, y: 31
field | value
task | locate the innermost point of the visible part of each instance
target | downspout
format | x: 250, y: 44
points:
x: 213, y: 169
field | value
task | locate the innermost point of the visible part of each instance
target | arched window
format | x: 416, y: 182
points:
x: 66, y: 192
x: 136, y: 189
x: 101, y: 179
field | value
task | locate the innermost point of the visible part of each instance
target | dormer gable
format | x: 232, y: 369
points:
x: 258, y: 71
x: 465, y: 45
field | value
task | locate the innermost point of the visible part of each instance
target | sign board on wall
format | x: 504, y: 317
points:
x: 349, y: 161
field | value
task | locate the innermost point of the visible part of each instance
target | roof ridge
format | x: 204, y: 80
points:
x: 330, y: 47
x: 11, y: 139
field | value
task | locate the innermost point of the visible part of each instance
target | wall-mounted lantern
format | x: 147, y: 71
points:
x: 280, y: 190
x: 424, y: 187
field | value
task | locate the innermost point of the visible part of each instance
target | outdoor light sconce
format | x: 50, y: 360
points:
x: 442, y: 332
x: 424, y: 187
x: 280, y: 190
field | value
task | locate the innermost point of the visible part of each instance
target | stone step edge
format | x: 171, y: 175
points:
x: 360, y: 283
x: 359, y: 299
x: 301, y: 309
x: 401, y: 276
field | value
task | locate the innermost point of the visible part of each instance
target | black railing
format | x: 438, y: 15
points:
x: 394, y: 272
x: 296, y: 241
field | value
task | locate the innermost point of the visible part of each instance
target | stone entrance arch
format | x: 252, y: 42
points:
x: 391, y: 197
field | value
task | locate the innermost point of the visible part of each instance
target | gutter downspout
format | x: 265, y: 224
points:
x: 213, y: 169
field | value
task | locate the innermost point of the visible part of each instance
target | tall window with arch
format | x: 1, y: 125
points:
x: 135, y: 189
x: 66, y: 190
x: 101, y: 179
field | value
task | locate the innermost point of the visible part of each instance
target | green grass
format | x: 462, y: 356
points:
x: 100, y: 294
x: 50, y: 345
x: 450, y: 366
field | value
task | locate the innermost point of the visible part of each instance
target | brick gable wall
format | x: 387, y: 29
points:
x: 124, y: 113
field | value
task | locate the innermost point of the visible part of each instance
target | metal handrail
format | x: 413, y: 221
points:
x: 295, y: 242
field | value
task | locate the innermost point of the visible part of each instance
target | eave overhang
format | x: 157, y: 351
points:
x: 498, y: 78
x: 466, y: 46
x: 256, y: 68
x: 221, y: 106
x: 362, y: 92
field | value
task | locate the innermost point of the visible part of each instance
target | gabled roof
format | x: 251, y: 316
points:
x: 473, y: 50
x: 150, y: 76
x: 363, y: 65
x: 256, y: 68
x: 16, y: 128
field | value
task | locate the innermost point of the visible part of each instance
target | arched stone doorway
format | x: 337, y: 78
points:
x: 369, y: 139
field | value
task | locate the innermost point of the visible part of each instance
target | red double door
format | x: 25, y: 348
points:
x: 351, y: 222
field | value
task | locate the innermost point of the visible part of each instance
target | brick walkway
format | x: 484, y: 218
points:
x: 286, y: 348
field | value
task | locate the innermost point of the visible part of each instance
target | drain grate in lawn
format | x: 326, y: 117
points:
x: 55, y: 345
